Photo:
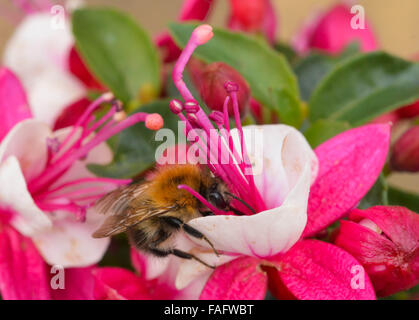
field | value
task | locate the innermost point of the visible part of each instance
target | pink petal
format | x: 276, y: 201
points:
x: 120, y: 284
x: 315, y: 270
x: 23, y: 272
x: 79, y: 285
x: 13, y: 104
x: 240, y: 279
x: 392, y: 258
x: 262, y: 17
x: 195, y: 9
x: 349, y: 165
x: 334, y: 32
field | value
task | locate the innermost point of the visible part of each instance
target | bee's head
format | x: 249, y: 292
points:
x: 217, y: 195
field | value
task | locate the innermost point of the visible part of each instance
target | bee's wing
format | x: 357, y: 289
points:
x: 125, y: 207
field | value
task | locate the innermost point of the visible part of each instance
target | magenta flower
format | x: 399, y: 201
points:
x: 52, y: 190
x: 262, y: 18
x: 332, y: 31
x: 385, y: 240
x: 268, y: 240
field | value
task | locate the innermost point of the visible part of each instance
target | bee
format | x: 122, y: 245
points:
x: 152, y: 212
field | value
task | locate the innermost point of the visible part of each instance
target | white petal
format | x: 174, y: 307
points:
x: 52, y: 92
x: 27, y: 141
x: 29, y: 219
x: 38, y: 53
x: 69, y: 243
x: 37, y: 45
x: 264, y: 234
x: 278, y: 154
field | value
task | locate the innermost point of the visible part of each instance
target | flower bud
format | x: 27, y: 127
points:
x: 385, y: 241
x: 212, y: 82
x: 249, y: 14
x: 405, y: 155
x: 334, y: 30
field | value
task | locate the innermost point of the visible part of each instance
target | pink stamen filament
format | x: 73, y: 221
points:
x: 231, y: 173
x: 57, y: 169
x: 201, y: 199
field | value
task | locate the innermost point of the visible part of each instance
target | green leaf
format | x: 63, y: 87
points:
x: 398, y: 197
x: 377, y: 196
x: 313, y: 68
x: 364, y: 87
x: 118, y: 52
x: 323, y: 130
x: 287, y: 51
x: 135, y: 148
x: 288, y: 107
x: 266, y: 70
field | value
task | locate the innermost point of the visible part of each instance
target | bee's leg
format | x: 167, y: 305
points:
x: 177, y: 224
x: 178, y: 253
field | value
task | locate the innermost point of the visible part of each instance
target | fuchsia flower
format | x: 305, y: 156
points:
x: 262, y: 18
x: 332, y: 32
x: 52, y: 190
x: 270, y: 242
x: 386, y: 241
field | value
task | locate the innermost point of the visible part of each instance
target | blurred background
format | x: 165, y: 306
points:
x: 395, y: 23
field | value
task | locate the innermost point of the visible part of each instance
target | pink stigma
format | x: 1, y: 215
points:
x: 203, y: 34
x: 154, y: 121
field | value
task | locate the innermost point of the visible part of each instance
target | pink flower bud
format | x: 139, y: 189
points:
x: 405, y: 155
x: 212, y: 81
x: 334, y: 30
x: 385, y: 240
x: 249, y: 13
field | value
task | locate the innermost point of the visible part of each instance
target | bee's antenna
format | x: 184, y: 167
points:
x: 242, y: 201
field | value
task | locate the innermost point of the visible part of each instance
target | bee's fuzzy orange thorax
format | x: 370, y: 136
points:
x: 164, y: 187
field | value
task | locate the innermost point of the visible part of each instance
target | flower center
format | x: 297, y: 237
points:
x: 78, y: 195
x: 224, y: 159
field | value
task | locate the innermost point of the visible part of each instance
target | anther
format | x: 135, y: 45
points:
x: 191, y: 106
x: 217, y: 117
x: 53, y: 144
x: 120, y: 116
x: 117, y: 104
x: 176, y: 106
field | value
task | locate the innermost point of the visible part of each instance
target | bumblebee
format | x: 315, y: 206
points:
x: 152, y: 212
